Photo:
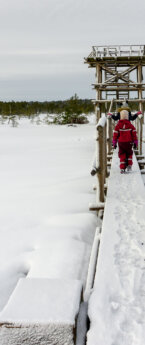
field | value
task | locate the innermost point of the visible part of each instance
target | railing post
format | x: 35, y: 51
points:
x: 140, y: 136
x: 105, y: 152
x: 101, y: 164
x: 98, y: 92
x: 101, y: 160
x: 109, y: 136
x: 109, y: 130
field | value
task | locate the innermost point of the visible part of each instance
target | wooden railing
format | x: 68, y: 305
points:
x: 117, y: 51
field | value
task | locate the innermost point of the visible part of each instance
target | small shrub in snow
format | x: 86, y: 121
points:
x: 68, y: 118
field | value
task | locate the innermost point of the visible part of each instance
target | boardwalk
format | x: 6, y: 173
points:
x: 117, y: 304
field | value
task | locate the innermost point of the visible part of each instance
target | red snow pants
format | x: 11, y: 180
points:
x: 125, y: 154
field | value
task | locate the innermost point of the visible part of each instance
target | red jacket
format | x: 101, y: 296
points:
x: 124, y: 132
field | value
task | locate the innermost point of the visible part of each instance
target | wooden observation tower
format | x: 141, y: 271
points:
x: 119, y: 74
x: 119, y: 77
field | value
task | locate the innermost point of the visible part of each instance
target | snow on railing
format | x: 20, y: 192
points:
x: 117, y: 51
x: 92, y: 265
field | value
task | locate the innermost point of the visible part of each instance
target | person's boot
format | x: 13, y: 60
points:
x: 129, y: 168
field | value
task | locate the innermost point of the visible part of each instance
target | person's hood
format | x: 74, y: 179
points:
x: 124, y: 124
x: 123, y: 108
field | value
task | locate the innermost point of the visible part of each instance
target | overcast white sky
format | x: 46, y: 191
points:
x: 43, y: 43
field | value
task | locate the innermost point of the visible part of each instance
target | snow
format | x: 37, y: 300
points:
x: 116, y: 306
x: 69, y: 263
x: 41, y: 311
x: 46, y: 227
x: 43, y: 300
x: 47, y: 233
x: 102, y: 121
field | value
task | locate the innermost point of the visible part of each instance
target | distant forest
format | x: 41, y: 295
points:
x: 72, y: 105
x: 71, y: 111
x: 52, y: 107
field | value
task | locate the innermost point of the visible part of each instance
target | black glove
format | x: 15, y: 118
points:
x: 134, y: 146
x: 93, y: 171
x: 115, y: 146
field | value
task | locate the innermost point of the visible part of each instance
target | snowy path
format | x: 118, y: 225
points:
x: 117, y: 304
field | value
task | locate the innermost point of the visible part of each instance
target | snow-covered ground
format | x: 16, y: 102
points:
x: 47, y: 231
x: 46, y: 228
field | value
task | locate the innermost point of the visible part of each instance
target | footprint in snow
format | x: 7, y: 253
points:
x: 123, y: 339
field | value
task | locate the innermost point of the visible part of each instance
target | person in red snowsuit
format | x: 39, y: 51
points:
x: 125, y: 135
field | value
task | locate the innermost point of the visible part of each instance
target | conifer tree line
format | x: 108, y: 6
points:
x: 51, y: 107
x: 73, y: 110
x: 54, y: 107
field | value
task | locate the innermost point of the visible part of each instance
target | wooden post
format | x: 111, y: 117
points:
x: 140, y: 125
x: 111, y: 105
x: 100, y: 159
x: 105, y: 153
x: 98, y: 92
x: 109, y: 131
x: 100, y: 168
x: 109, y: 136
x: 140, y: 121
x: 140, y: 80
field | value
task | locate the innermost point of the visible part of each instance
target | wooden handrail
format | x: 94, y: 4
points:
x: 119, y: 50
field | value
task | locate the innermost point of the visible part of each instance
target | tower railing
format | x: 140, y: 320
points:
x: 117, y: 51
